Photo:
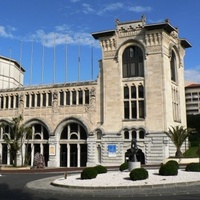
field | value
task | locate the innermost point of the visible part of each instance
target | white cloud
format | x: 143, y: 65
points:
x: 87, y: 8
x: 62, y: 35
x: 6, y: 33
x: 139, y: 9
x: 193, y: 75
x: 111, y: 7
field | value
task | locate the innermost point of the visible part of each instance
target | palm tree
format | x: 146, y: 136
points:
x: 178, y: 135
x: 17, y: 137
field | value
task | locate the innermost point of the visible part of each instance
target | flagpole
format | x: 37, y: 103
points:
x: 20, y: 64
x: 9, y: 68
x: 92, y: 62
x: 43, y: 59
x: 79, y: 57
x: 54, y: 72
x: 66, y: 61
x: 31, y: 64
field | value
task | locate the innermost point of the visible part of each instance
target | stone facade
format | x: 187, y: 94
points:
x: 139, y: 94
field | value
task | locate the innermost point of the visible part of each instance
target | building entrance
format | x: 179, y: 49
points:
x: 73, y: 147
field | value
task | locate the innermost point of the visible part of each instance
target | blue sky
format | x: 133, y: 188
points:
x: 38, y: 33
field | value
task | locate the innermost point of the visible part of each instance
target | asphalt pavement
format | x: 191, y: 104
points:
x: 36, y: 184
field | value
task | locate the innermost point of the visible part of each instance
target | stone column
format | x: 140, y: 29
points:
x: 78, y: 156
x: 68, y: 155
x: 54, y: 157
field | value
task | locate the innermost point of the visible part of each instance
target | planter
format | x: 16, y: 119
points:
x: 133, y: 165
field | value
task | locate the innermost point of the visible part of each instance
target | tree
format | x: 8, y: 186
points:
x: 16, y: 138
x: 193, y: 122
x: 178, y: 135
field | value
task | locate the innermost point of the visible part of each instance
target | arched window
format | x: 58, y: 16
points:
x: 74, y: 136
x: 141, y: 134
x: 126, y: 135
x: 99, y: 135
x: 132, y: 59
x: 134, y: 135
x: 173, y: 66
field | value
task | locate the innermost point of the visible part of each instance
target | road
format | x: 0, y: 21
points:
x: 13, y: 187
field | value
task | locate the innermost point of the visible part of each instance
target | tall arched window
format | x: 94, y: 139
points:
x: 173, y: 66
x: 133, y: 62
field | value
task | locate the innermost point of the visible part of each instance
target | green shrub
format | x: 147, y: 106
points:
x: 123, y: 166
x: 101, y: 169
x: 168, y: 170
x: 89, y: 173
x: 139, y: 174
x: 193, y: 167
x: 173, y: 162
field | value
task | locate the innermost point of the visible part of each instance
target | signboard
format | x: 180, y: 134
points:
x: 52, y: 149
x: 112, y: 150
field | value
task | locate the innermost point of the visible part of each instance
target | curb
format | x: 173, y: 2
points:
x: 168, y: 185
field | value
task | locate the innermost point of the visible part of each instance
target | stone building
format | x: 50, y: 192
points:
x: 139, y: 94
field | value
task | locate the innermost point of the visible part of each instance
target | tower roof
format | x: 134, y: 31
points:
x: 142, y: 24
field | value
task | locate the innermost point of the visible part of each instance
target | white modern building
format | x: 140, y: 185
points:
x: 139, y: 94
x: 192, y: 98
x: 11, y: 73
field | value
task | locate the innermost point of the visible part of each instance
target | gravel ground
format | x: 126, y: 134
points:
x: 117, y: 179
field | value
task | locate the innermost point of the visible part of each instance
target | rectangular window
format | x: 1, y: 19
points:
x: 11, y: 101
x: 125, y: 72
x: 141, y: 91
x: 126, y: 92
x: 74, y: 97
x: 50, y: 99
x: 61, y: 98
x: 141, y: 109
x: 140, y: 69
x: 27, y: 100
x: 17, y: 101
x: 132, y: 70
x: 38, y: 100
x: 2, y: 102
x: 126, y: 109
x: 32, y: 100
x: 133, y: 109
x: 133, y: 92
x: 87, y: 97
x: 68, y: 98
x: 44, y: 99
x: 7, y: 100
x: 80, y: 97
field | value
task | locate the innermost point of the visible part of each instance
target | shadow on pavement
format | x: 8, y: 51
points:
x: 8, y: 194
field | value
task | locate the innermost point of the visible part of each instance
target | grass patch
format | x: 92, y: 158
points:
x: 191, y: 153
